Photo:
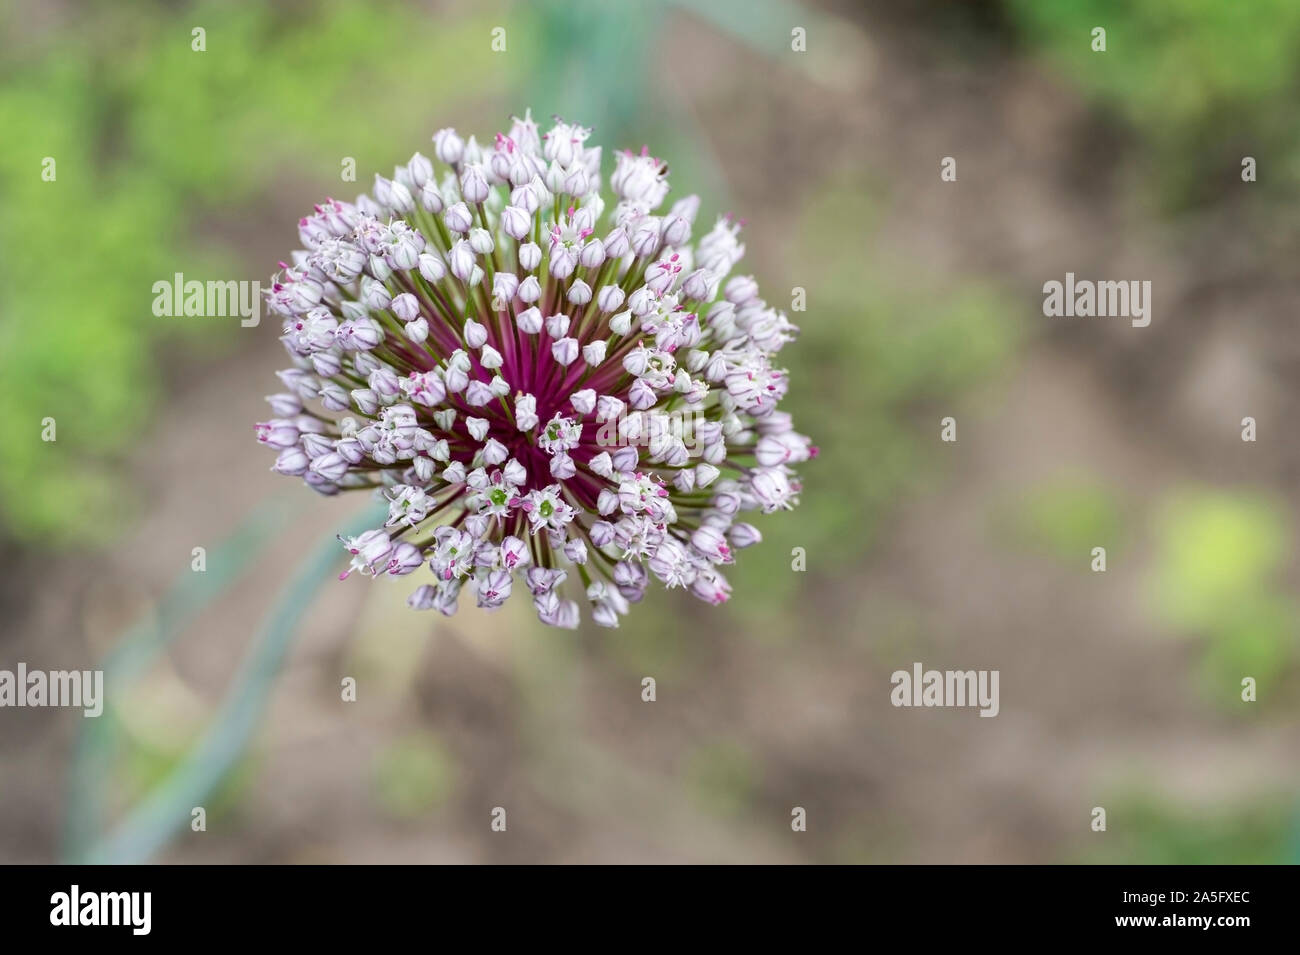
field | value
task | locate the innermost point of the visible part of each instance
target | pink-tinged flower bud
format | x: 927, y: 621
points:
x: 475, y: 333
x: 457, y: 217
x: 383, y: 192
x: 563, y: 144
x: 711, y: 587
x: 530, y: 256
x: 557, y: 326
x: 330, y: 466
x: 530, y: 290
x: 771, y: 488
x: 514, y: 553
x: 284, y: 405
x: 378, y: 268
x: 677, y: 231
x: 404, y: 559
x: 447, y: 146
x: 712, y: 543
x: 606, y: 502
x: 401, y: 201
x: 744, y: 535
x: 455, y: 378
x: 425, y: 388
x: 316, y: 445
x: 562, y: 466
x: 527, y: 196
x: 565, y: 351
x: 688, y: 208
x: 645, y: 237
x: 576, y: 551
x: 786, y: 448
x: 420, y: 169
x: 480, y: 240
x: 700, y: 285
x: 563, y: 261
x: 277, y: 433
x: 624, y: 459
x: 291, y: 461
x: 374, y: 294
x: 592, y: 255
x: 515, y: 222
x: 477, y: 394
x: 602, y: 533
x: 640, y: 178
x: 384, y: 383
x: 617, y: 244
x: 643, y: 301
x: 585, y: 400
x: 529, y: 321
x: 431, y: 198
x: 431, y: 268
x: 609, y: 408
x: 350, y: 449
x: 641, y: 396
x: 579, y: 292
x: 525, y: 412
x: 424, y: 597
x: 406, y: 307
x: 504, y: 287
x: 741, y: 289
x: 576, y: 182
x: 461, y: 260
x: 637, y: 361
x: 418, y: 330
x: 603, y: 614
x: 326, y: 364
x: 629, y: 575
x: 473, y: 183
x: 660, y: 276
x: 542, y: 580
x: 494, y: 589
x: 609, y: 298
x: 367, y: 401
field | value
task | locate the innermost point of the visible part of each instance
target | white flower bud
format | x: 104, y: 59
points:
x: 447, y: 146
x: 530, y: 256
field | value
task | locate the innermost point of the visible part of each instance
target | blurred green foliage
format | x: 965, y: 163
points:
x: 1217, y: 575
x: 146, y: 764
x: 1202, y: 82
x: 721, y: 777
x: 1149, y: 831
x: 882, y: 357
x: 1067, y: 516
x: 414, y: 774
x: 155, y: 144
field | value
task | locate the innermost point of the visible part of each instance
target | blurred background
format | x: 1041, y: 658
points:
x: 1119, y: 689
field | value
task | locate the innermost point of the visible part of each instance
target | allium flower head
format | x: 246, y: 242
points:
x: 556, y: 394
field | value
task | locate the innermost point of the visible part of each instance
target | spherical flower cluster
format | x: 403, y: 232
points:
x: 545, y: 389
